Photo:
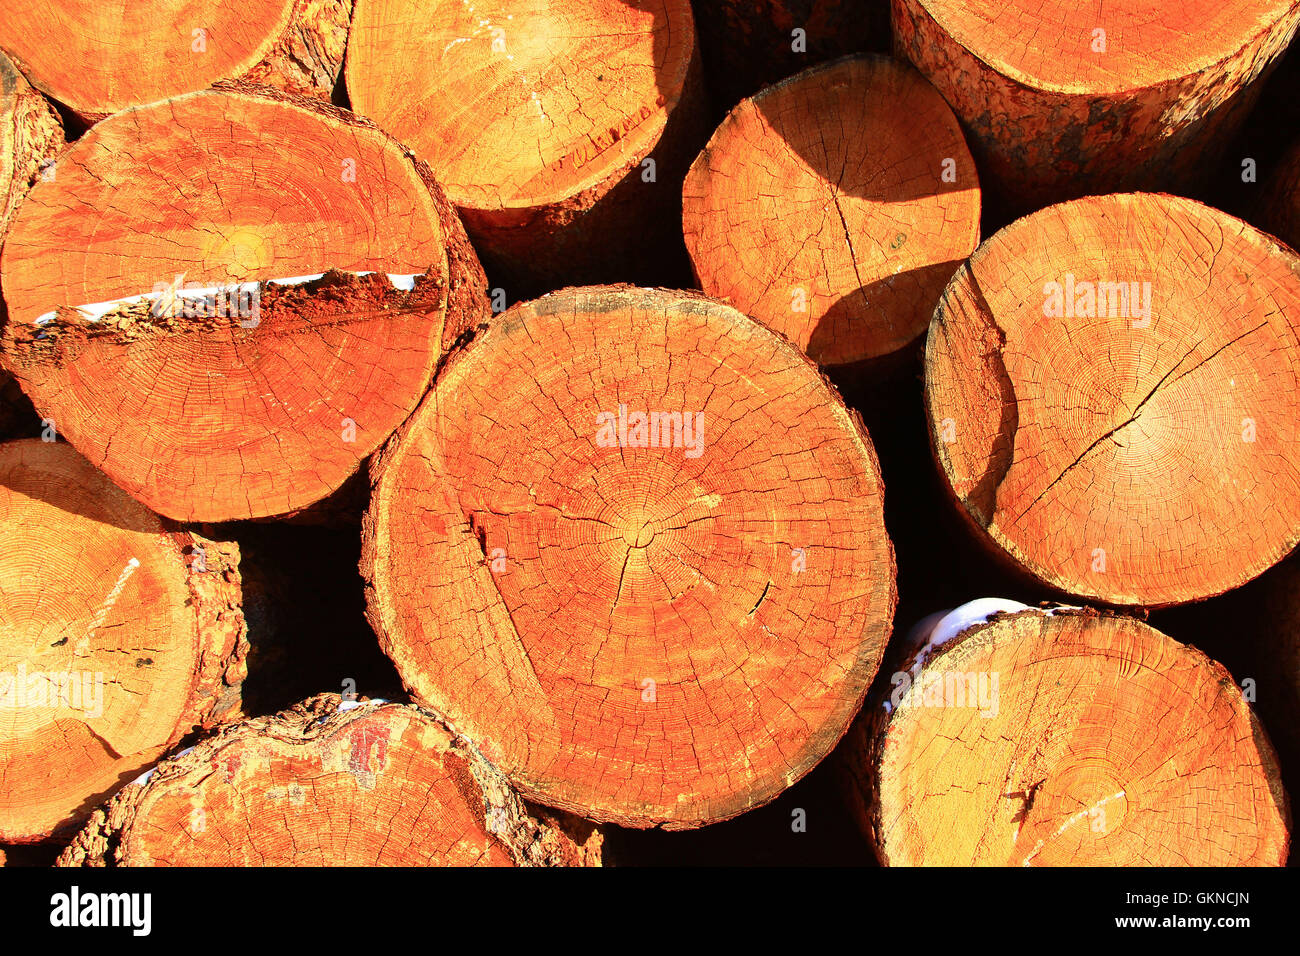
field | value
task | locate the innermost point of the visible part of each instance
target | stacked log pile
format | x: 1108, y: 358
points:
x: 539, y: 433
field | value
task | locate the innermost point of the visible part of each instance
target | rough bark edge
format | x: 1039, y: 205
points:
x: 35, y: 133
x: 308, y: 56
x: 390, y: 455
x: 545, y: 840
x: 222, y: 634
x: 1096, y: 141
x: 865, y: 744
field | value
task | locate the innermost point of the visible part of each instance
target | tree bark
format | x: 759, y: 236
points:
x: 560, y: 131
x: 98, y: 58
x: 1111, y: 385
x: 31, y: 135
x: 834, y: 207
x: 1066, y: 738
x: 120, y: 633
x: 620, y: 616
x: 1059, y: 100
x: 225, y: 416
x: 317, y: 786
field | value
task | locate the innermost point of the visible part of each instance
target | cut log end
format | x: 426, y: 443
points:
x: 555, y: 128
x: 98, y: 59
x: 373, y: 785
x: 247, y: 411
x: 1110, y: 385
x: 119, y: 636
x: 1063, y: 100
x: 834, y: 207
x: 1068, y: 739
x: 607, y: 574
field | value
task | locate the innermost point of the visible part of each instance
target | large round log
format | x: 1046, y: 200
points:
x: 233, y: 411
x: 1062, y: 99
x: 834, y: 207
x: 118, y: 636
x: 368, y: 784
x: 559, y: 129
x: 1066, y: 738
x: 632, y: 545
x: 1111, y: 386
x: 98, y: 58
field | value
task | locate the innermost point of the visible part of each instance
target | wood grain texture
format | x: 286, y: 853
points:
x: 1054, y: 110
x: 1137, y: 449
x: 100, y: 57
x: 118, y: 636
x: 211, y: 420
x: 820, y: 208
x: 1069, y: 739
x: 638, y: 630
x: 537, y: 117
x: 375, y: 785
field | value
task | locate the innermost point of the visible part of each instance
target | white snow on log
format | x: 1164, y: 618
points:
x: 404, y: 282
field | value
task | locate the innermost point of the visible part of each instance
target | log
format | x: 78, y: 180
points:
x: 120, y: 635
x: 1060, y: 100
x: 366, y: 784
x: 834, y: 207
x: 1278, y: 210
x: 98, y: 58
x: 610, y: 573
x: 243, y: 411
x: 748, y: 44
x: 31, y: 135
x: 1068, y: 737
x: 1138, y: 445
x: 559, y: 130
